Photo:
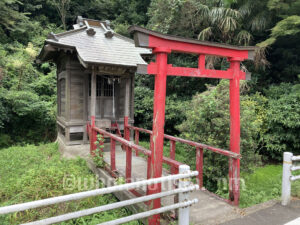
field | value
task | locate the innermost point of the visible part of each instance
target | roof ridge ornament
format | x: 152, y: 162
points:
x: 108, y: 32
x: 52, y: 36
x: 80, y: 21
x: 90, y: 31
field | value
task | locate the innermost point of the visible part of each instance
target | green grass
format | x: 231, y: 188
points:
x: 37, y: 172
x: 262, y: 185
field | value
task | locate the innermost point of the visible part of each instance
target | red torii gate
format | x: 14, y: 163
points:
x: 161, y: 46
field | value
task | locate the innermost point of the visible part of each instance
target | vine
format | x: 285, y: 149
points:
x: 98, y: 156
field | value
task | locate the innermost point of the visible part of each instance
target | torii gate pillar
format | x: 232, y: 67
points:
x: 158, y: 126
x: 161, y: 46
x: 234, y: 102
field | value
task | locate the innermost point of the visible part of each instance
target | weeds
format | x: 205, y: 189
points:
x: 98, y: 154
x: 37, y: 172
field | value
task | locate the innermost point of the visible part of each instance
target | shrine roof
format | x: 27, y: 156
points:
x: 94, y: 43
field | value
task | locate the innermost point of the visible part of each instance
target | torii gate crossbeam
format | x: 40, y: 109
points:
x: 161, y: 46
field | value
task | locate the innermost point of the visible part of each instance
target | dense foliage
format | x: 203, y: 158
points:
x: 144, y: 110
x: 282, y: 121
x: 28, y: 93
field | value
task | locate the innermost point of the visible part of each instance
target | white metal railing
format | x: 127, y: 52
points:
x: 287, y: 176
x: 184, y: 187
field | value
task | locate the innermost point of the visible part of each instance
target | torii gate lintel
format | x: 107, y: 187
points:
x: 161, y: 46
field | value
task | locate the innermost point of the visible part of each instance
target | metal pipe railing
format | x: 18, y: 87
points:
x: 116, y: 205
x: 185, y: 221
x: 287, y: 176
x: 296, y: 158
x: 184, y: 187
x: 294, y: 168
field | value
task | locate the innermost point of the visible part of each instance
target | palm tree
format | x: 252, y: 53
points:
x: 227, y: 21
x: 233, y: 22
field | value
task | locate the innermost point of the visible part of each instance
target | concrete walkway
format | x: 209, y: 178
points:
x: 209, y: 210
x: 276, y: 214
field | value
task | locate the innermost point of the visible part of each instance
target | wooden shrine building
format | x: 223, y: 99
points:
x: 95, y: 77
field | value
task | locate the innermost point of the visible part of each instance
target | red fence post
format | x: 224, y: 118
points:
x: 199, y: 165
x: 128, y: 151
x: 136, y: 136
x: 172, y: 154
x: 112, y: 154
x: 93, y: 137
x: 234, y: 164
x: 158, y: 126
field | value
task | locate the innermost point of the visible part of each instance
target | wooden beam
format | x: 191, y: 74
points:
x: 93, y: 93
x: 127, y: 97
x: 68, y: 94
x: 191, y: 72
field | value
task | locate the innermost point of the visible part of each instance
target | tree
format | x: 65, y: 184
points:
x: 286, y: 27
x: 10, y: 15
x: 62, y: 7
x: 289, y: 24
x: 10, y: 18
x: 282, y: 44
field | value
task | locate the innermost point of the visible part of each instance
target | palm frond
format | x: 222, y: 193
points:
x: 202, y: 10
x: 205, y: 34
x: 243, y: 37
x: 232, y: 13
x: 258, y: 23
x: 245, y: 9
x: 219, y: 13
x: 211, y: 61
x: 216, y: 14
x: 228, y: 24
x: 260, y: 59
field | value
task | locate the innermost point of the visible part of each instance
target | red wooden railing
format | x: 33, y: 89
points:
x: 130, y: 146
x: 199, y: 147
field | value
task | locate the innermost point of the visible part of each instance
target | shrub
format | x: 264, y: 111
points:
x: 208, y: 121
x: 27, y: 96
x: 282, y: 121
x: 143, y: 113
x: 31, y: 119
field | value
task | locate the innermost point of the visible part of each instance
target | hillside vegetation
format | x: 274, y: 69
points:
x: 36, y: 172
